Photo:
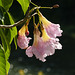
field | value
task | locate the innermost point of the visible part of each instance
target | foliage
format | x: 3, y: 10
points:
x: 6, y: 4
x: 24, y: 4
x: 7, y: 35
x: 2, y: 61
x: 4, y: 64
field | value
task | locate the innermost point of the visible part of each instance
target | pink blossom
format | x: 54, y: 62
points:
x: 22, y: 40
x: 42, y: 46
x: 53, y: 30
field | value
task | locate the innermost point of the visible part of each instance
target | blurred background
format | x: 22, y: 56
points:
x: 63, y: 61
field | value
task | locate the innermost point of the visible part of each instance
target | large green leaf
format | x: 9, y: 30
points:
x: 6, y: 4
x: 24, y: 4
x: 10, y: 18
x: 2, y: 61
x: 4, y: 64
x: 5, y: 43
x: 12, y: 31
x: 7, y: 67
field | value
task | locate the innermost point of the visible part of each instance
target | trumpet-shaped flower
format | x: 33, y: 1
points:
x: 22, y: 40
x: 53, y: 30
x: 42, y: 46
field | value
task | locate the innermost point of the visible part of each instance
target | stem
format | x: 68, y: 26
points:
x: 23, y: 20
x: 13, y: 25
x: 34, y: 21
x: 47, y: 7
x: 34, y: 4
x: 38, y: 24
x: 2, y: 21
x: 33, y: 9
x: 33, y: 14
x: 41, y: 7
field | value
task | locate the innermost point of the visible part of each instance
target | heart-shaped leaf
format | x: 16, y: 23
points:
x: 24, y: 4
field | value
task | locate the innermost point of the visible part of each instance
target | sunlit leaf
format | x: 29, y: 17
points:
x: 5, y: 43
x: 7, y: 66
x: 4, y: 64
x: 12, y: 31
x: 24, y: 4
x: 6, y: 4
x: 2, y: 61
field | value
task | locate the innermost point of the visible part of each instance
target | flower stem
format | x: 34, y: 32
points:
x: 34, y: 21
x: 34, y: 4
x: 47, y: 7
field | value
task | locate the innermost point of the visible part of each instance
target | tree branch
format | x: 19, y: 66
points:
x: 21, y: 21
x: 16, y: 24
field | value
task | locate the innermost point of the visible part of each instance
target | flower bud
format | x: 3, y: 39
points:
x: 55, y: 6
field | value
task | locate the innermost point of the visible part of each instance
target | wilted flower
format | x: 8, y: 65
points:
x: 42, y: 46
x: 22, y: 40
x: 53, y: 30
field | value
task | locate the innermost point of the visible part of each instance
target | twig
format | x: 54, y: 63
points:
x: 13, y: 25
x: 21, y: 21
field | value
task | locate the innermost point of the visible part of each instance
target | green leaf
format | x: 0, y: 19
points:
x: 11, y: 34
x: 24, y: 4
x: 6, y: 55
x: 4, y: 64
x: 2, y: 61
x: 10, y: 18
x: 1, y: 15
x: 5, y: 43
x: 6, y: 4
x: 7, y: 66
x: 15, y: 42
x: 12, y: 31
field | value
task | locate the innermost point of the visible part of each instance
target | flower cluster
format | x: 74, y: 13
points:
x: 45, y: 41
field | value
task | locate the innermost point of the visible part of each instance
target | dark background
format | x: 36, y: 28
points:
x: 63, y: 61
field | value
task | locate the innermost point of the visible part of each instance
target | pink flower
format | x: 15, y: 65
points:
x: 22, y: 40
x: 53, y: 30
x: 42, y: 46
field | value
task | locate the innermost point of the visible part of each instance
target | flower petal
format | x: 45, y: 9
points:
x: 53, y: 30
x: 29, y: 51
x: 43, y: 48
x: 23, y: 42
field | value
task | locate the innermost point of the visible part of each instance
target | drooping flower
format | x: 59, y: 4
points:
x: 42, y: 46
x: 22, y: 40
x: 53, y: 30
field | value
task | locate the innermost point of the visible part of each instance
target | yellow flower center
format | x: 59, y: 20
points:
x: 45, y: 22
x: 45, y: 36
x: 23, y: 30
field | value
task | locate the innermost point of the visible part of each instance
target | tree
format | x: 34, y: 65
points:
x: 8, y: 33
